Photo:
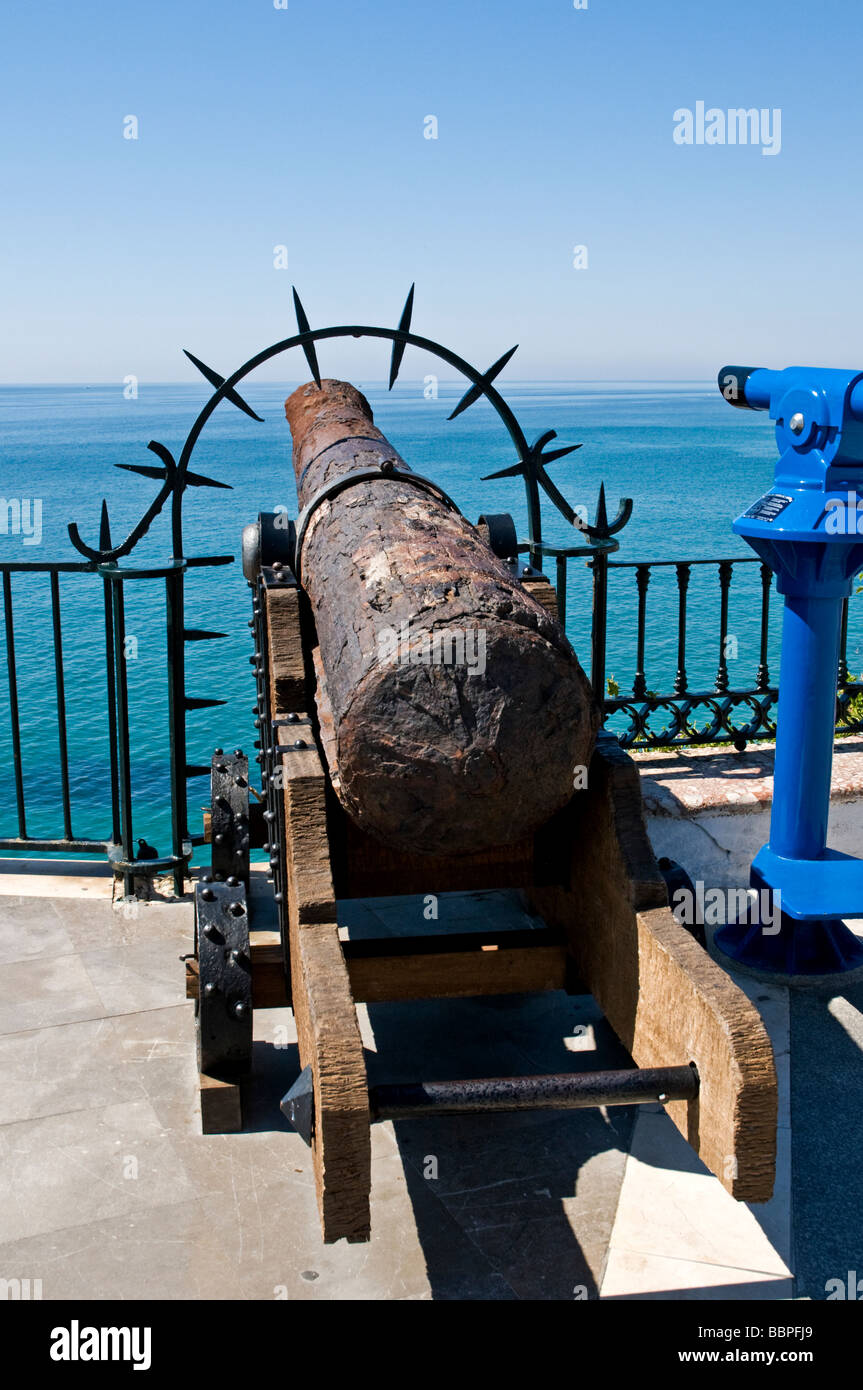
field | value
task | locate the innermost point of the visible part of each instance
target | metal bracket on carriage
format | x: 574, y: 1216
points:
x: 498, y: 531
x: 229, y: 814
x: 268, y: 547
x: 224, y: 977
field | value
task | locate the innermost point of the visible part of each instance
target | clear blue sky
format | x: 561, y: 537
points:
x: 304, y: 127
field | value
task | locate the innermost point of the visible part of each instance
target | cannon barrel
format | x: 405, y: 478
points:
x: 453, y: 710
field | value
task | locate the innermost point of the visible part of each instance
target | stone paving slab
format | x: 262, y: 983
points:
x: 108, y: 1189
x: 826, y: 1090
x: 678, y: 1233
x: 676, y: 782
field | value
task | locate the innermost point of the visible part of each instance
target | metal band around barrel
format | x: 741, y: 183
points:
x: 386, y: 471
x: 345, y: 439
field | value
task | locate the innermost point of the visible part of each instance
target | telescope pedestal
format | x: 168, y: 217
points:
x: 792, y: 945
x: 813, y: 888
x: 806, y: 528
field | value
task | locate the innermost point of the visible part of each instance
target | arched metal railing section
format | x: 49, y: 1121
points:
x: 174, y: 476
x: 678, y: 717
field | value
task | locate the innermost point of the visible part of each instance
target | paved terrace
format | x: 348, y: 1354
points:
x: 108, y: 1189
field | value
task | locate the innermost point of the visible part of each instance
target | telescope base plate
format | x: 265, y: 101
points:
x: 822, y: 946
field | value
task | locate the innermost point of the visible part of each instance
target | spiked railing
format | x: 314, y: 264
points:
x: 597, y: 541
x: 531, y: 462
x: 174, y: 476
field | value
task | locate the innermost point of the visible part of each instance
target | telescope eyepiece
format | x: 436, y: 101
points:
x: 732, y: 383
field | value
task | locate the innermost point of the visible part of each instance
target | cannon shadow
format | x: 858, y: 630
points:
x: 507, y: 1206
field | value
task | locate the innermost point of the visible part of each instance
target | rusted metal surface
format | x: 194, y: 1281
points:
x: 457, y: 707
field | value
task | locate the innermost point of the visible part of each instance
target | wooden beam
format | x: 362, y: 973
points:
x: 666, y: 999
x: 454, y: 966
x: 543, y: 591
x: 458, y: 974
x: 371, y: 868
x: 221, y: 1108
x: 329, y: 1039
x: 285, y: 651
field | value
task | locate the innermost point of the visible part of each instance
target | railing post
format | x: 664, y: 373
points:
x: 599, y: 628
x: 762, y: 679
x: 683, y: 573
x: 61, y: 704
x: 177, y: 722
x: 562, y: 562
x: 123, y: 749
x: 642, y: 579
x: 110, y: 677
x: 111, y: 680
x: 843, y: 646
x: 13, y: 703
x: 725, y: 571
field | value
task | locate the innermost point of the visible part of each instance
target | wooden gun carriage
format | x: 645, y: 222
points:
x: 588, y: 871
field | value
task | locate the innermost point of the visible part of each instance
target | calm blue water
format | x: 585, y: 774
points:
x: 689, y: 462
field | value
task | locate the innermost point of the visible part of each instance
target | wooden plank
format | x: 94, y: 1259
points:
x: 687, y: 1009
x: 329, y: 1039
x: 306, y: 824
x: 374, y: 869
x: 192, y: 978
x: 448, y: 966
x: 285, y: 652
x: 666, y: 999
x: 459, y: 974
x: 544, y: 592
x: 221, y: 1108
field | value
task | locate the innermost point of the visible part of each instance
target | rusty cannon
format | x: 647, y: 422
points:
x: 453, y: 710
x: 423, y: 726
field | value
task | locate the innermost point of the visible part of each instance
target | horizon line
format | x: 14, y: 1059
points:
x: 382, y: 381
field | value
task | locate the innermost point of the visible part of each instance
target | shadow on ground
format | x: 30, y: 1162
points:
x: 510, y: 1206
x: 826, y: 1086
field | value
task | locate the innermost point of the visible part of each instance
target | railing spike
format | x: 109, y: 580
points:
x: 308, y: 348
x: 535, y: 460
x: 218, y: 381
x: 559, y: 453
x: 474, y: 393
x: 399, y: 348
x: 513, y: 472
x: 201, y: 702
x: 201, y: 480
x: 104, y: 528
x: 198, y: 769
x: 146, y: 470
x: 601, y: 512
x: 200, y: 634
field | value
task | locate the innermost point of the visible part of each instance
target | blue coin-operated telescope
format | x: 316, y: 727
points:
x: 806, y: 529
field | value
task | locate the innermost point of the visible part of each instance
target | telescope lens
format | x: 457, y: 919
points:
x: 732, y: 383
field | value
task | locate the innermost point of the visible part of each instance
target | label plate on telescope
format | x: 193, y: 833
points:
x: 768, y: 507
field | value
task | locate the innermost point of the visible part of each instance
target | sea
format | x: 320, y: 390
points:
x: 689, y: 462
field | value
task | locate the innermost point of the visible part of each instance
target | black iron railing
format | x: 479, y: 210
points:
x: 730, y: 714
x: 115, y: 835
x: 695, y: 715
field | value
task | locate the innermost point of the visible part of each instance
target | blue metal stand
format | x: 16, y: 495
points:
x: 806, y: 530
